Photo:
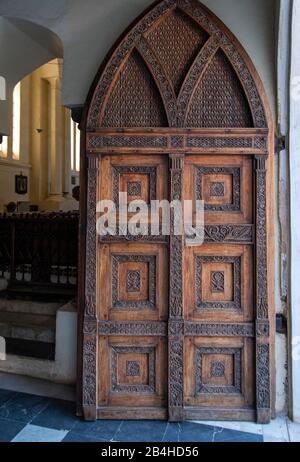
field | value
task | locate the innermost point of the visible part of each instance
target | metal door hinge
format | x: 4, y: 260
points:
x: 280, y: 143
x: 281, y: 324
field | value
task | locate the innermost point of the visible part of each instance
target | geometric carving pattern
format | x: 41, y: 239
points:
x: 176, y: 315
x: 234, y: 173
x: 132, y: 328
x: 90, y: 280
x: 133, y: 369
x: 126, y: 106
x: 134, y: 282
x: 178, y: 142
x: 219, y: 100
x: 89, y: 371
x: 217, y: 189
x: 135, y: 188
x: 207, y: 385
x: 159, y: 329
x: 217, y: 369
x: 164, y: 85
x: 135, y: 66
x: 187, y: 39
x: 263, y: 376
x: 196, y: 329
x: 201, y: 142
x: 263, y: 382
x: 164, y: 140
x: 218, y: 283
x: 122, y: 141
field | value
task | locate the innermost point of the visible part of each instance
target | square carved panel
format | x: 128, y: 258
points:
x: 138, y: 182
x: 218, y: 283
x: 133, y: 369
x: 134, y: 282
x: 219, y: 188
x: 218, y: 371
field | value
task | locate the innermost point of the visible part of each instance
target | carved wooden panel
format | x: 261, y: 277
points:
x: 222, y: 371
x: 132, y: 282
x: 134, y: 371
x: 187, y: 39
x: 219, y: 99
x: 140, y: 177
x: 135, y: 100
x: 219, y: 371
x: 138, y: 182
x: 218, y: 283
x: 184, y: 46
x: 219, y: 188
x: 224, y: 184
x: 200, y: 141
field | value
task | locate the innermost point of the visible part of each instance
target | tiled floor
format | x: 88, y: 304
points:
x: 29, y: 418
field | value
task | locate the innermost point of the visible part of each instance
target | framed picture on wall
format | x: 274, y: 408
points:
x: 21, y: 184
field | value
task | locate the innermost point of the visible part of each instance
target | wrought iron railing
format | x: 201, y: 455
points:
x: 39, y: 249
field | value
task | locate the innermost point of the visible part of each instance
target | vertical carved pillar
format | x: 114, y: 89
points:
x: 263, y: 386
x: 176, y: 319
x: 90, y: 343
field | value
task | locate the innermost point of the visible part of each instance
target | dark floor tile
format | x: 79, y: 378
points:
x: 5, y: 396
x: 141, y: 431
x: 101, y: 429
x: 73, y: 437
x: 59, y: 415
x: 188, y: 432
x: 195, y: 433
x: 223, y: 435
x: 9, y: 429
x: 23, y: 408
x: 171, y: 434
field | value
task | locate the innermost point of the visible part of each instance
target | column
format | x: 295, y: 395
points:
x: 56, y: 141
x: 294, y: 145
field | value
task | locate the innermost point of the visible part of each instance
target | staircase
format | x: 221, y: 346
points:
x: 28, y: 327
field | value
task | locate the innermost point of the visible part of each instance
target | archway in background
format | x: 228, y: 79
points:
x: 24, y: 38
x: 178, y: 112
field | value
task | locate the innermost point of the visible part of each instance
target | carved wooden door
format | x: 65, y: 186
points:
x: 172, y: 330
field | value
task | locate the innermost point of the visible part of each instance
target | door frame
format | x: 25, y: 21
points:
x: 177, y: 145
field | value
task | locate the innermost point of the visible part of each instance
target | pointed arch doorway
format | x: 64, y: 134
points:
x: 170, y: 331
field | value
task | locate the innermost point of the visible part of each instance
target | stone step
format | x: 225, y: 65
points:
x: 25, y: 326
x: 28, y: 307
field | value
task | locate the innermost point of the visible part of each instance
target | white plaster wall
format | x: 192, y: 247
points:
x: 8, y: 170
x: 295, y: 211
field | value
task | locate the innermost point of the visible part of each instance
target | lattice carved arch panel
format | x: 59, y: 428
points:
x: 178, y: 57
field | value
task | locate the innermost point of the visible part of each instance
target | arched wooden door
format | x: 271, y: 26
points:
x: 171, y: 331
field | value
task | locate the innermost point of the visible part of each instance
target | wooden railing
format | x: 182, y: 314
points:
x: 39, y: 249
